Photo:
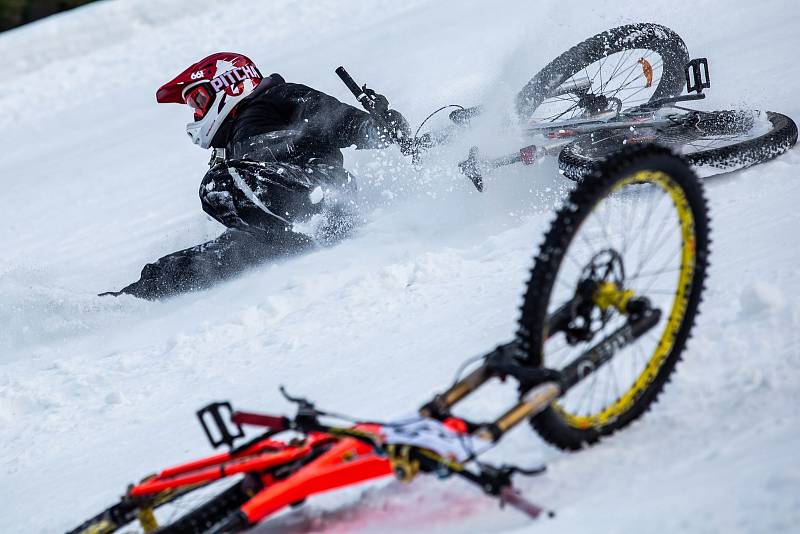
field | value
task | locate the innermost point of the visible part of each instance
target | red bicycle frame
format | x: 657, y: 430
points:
x: 345, y: 461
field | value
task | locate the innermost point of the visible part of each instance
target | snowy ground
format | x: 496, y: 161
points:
x: 97, y: 180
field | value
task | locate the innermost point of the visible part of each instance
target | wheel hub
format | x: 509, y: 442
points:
x: 606, y: 272
x: 593, y: 104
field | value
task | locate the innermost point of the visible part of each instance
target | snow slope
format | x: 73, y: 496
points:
x: 97, y: 180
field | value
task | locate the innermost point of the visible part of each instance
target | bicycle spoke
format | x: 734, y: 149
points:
x: 640, y: 223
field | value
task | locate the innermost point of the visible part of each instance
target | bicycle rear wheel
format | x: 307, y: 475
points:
x: 712, y: 142
x: 635, y: 63
x: 637, y: 228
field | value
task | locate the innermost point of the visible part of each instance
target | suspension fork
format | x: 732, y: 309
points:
x: 441, y: 403
x: 537, y: 398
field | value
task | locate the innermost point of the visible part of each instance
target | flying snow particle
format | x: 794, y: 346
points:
x: 316, y: 195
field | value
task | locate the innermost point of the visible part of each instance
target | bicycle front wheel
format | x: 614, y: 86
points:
x: 635, y: 230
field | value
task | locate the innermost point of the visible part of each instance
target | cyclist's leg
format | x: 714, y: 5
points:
x: 272, y: 199
x: 201, y: 266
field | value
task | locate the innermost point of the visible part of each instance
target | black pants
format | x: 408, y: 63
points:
x: 259, y: 202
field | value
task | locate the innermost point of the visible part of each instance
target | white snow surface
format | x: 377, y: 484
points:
x: 98, y: 179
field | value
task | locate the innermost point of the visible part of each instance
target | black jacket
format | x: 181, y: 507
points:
x: 293, y: 123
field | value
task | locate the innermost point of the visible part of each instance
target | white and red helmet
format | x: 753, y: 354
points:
x: 212, y: 87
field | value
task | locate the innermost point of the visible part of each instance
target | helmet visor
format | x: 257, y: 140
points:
x: 200, y: 99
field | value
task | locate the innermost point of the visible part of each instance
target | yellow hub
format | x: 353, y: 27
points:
x: 608, y: 295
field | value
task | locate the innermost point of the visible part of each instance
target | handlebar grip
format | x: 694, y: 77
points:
x: 350, y: 83
x: 272, y: 422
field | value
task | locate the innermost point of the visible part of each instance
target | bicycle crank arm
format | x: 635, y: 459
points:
x: 510, y: 496
x: 661, y: 102
x: 474, y: 167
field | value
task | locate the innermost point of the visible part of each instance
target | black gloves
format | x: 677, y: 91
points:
x: 397, y: 129
x: 394, y: 127
x: 376, y: 102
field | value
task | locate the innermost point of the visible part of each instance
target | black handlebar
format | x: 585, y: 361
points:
x: 350, y: 83
x: 377, y: 106
x: 367, y: 97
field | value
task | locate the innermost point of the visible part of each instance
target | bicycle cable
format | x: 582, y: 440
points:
x: 416, y: 133
x: 463, y: 367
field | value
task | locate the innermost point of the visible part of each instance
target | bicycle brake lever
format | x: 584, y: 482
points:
x: 303, y: 402
x: 513, y: 470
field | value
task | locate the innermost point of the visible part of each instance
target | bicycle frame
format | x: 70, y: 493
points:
x: 348, y: 461
x: 279, y: 473
x: 320, y: 462
x: 365, y: 452
x: 554, y: 136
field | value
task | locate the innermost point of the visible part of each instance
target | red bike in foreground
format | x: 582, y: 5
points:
x: 606, y: 314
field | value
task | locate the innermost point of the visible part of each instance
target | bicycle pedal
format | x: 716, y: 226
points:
x: 697, y: 77
x: 217, y: 422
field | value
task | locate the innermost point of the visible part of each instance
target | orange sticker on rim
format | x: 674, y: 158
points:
x: 647, y: 70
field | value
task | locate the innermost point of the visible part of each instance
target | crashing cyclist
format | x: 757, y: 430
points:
x: 277, y: 161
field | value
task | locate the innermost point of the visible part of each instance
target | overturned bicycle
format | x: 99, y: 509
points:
x: 627, y: 85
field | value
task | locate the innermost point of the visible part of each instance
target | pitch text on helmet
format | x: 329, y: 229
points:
x: 232, y: 77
